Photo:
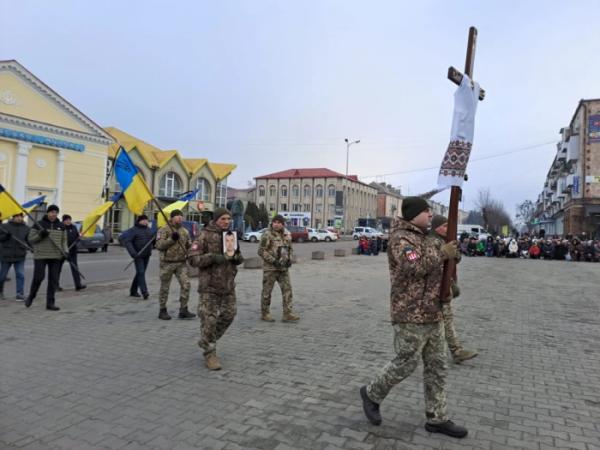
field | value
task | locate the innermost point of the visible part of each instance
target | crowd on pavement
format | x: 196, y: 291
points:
x: 528, y: 247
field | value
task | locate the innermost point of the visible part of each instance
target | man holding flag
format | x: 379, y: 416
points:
x: 13, y: 250
x: 138, y: 242
x: 72, y: 238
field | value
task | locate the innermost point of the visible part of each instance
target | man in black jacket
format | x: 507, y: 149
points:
x: 136, y: 239
x: 13, y: 250
x: 72, y: 237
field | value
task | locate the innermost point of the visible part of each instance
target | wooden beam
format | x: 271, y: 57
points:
x: 456, y: 77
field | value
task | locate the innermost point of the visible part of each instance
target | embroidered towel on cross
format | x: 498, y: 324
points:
x: 457, y: 155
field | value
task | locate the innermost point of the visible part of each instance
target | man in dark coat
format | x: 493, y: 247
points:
x: 13, y: 250
x: 72, y: 237
x: 137, y: 242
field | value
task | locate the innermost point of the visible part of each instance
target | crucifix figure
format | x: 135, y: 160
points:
x: 455, y: 161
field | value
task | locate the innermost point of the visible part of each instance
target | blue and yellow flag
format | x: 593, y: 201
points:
x: 88, y: 228
x: 32, y: 204
x: 134, y: 188
x: 8, y: 205
x: 179, y: 204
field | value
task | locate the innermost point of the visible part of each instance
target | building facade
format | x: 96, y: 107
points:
x: 569, y: 204
x: 168, y: 175
x: 47, y: 146
x: 389, y: 201
x: 317, y: 198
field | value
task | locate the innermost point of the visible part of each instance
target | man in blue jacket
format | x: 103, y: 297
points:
x: 13, y: 250
x: 137, y: 241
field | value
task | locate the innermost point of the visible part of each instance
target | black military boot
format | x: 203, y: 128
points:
x: 448, y: 428
x: 163, y: 314
x: 185, y: 314
x: 370, y: 408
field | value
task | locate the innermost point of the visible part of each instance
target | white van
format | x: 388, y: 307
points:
x: 472, y: 229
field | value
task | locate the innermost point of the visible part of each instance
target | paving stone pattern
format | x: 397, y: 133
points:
x: 104, y: 372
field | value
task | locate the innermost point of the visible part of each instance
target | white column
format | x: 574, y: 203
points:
x: 60, y: 177
x: 20, y: 179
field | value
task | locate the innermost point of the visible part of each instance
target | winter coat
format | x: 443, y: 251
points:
x: 172, y: 251
x: 10, y: 249
x: 275, y: 246
x: 52, y: 247
x: 136, y: 238
x: 214, y: 277
x: 416, y: 266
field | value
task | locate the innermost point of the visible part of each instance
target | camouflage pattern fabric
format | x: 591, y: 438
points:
x: 450, y: 331
x: 412, y: 341
x: 216, y: 313
x: 270, y: 277
x: 180, y: 270
x: 416, y: 266
x: 275, y: 247
x: 170, y: 250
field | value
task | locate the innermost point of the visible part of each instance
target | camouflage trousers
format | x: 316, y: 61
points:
x: 412, y: 341
x: 180, y: 270
x: 451, y: 336
x: 283, y: 278
x: 216, y: 313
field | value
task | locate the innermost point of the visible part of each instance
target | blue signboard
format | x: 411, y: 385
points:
x: 594, y: 128
x: 576, y: 184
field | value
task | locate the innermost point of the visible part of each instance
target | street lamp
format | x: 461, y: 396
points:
x: 348, y: 144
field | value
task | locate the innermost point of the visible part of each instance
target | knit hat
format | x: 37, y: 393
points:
x: 176, y: 212
x: 52, y: 208
x: 413, y: 206
x: 66, y: 217
x: 140, y: 218
x: 278, y: 218
x: 438, y: 220
x: 220, y: 212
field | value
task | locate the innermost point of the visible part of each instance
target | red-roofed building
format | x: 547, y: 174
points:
x: 317, y: 197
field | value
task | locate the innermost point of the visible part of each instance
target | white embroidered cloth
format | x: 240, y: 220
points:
x: 454, y: 164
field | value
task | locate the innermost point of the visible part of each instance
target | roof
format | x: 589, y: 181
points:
x: 311, y: 173
x: 581, y: 102
x: 221, y: 171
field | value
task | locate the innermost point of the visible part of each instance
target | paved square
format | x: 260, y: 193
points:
x: 104, y: 372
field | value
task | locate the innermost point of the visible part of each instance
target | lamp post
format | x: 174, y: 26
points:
x: 348, y: 144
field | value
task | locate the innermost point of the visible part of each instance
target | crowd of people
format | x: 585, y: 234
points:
x: 371, y: 245
x: 555, y: 247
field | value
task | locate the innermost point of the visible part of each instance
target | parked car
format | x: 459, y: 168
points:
x: 92, y: 244
x: 254, y: 236
x: 313, y: 235
x: 335, y: 231
x: 327, y: 236
x: 365, y: 231
x: 299, y: 234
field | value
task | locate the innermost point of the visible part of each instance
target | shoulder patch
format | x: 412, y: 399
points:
x: 410, y: 254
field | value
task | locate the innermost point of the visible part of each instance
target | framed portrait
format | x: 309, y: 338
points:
x: 230, y: 243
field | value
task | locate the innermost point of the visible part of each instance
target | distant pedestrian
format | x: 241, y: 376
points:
x: 138, y: 242
x: 13, y: 251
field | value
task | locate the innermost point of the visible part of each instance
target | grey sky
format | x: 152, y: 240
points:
x: 271, y: 85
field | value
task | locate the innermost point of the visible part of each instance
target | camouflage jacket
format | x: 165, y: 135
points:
x: 213, y: 277
x: 275, y: 246
x: 416, y: 266
x: 170, y: 250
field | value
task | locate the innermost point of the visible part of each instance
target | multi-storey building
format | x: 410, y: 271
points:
x: 570, y: 201
x: 317, y: 197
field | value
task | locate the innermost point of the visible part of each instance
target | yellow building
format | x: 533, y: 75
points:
x: 169, y: 175
x: 48, y: 146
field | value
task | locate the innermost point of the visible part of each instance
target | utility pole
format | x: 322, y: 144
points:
x: 348, y: 144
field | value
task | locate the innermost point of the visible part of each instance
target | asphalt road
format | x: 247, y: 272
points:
x: 102, y: 267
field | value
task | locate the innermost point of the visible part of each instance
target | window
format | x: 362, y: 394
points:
x: 306, y: 190
x: 330, y: 223
x: 203, y: 187
x: 284, y: 207
x: 332, y: 209
x: 306, y: 207
x: 284, y: 190
x: 170, y: 185
x: 271, y: 206
x: 295, y: 191
x: 221, y: 193
x: 319, y: 208
x: 319, y: 191
x: 331, y: 190
x: 297, y: 207
x: 272, y: 191
x: 261, y: 191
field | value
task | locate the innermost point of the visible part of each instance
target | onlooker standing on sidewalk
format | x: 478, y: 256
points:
x: 416, y: 266
x: 49, y: 249
x: 13, y: 253
x: 137, y: 242
x: 275, y: 249
x: 72, y: 237
x: 216, y: 284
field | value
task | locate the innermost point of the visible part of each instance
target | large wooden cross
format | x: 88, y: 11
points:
x: 455, y: 194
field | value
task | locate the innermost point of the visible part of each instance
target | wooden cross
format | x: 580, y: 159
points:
x: 456, y: 192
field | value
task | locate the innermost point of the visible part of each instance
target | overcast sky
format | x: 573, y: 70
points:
x: 272, y: 85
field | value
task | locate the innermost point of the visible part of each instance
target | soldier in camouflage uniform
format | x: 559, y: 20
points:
x: 174, y: 242
x: 416, y: 267
x: 275, y: 249
x: 439, y: 229
x: 216, y: 284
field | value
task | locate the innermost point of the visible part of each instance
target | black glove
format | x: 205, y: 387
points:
x: 175, y: 236
x: 217, y: 258
x: 277, y: 264
x: 288, y: 264
x: 237, y: 259
x: 44, y: 233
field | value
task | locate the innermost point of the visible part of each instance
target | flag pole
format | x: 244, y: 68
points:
x: 23, y: 243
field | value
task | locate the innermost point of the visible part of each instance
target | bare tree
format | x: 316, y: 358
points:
x: 525, y: 213
x: 493, y: 212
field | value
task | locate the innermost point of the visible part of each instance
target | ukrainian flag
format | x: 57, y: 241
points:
x: 8, y: 205
x: 134, y: 188
x: 32, y: 204
x: 179, y: 204
x: 87, y: 227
